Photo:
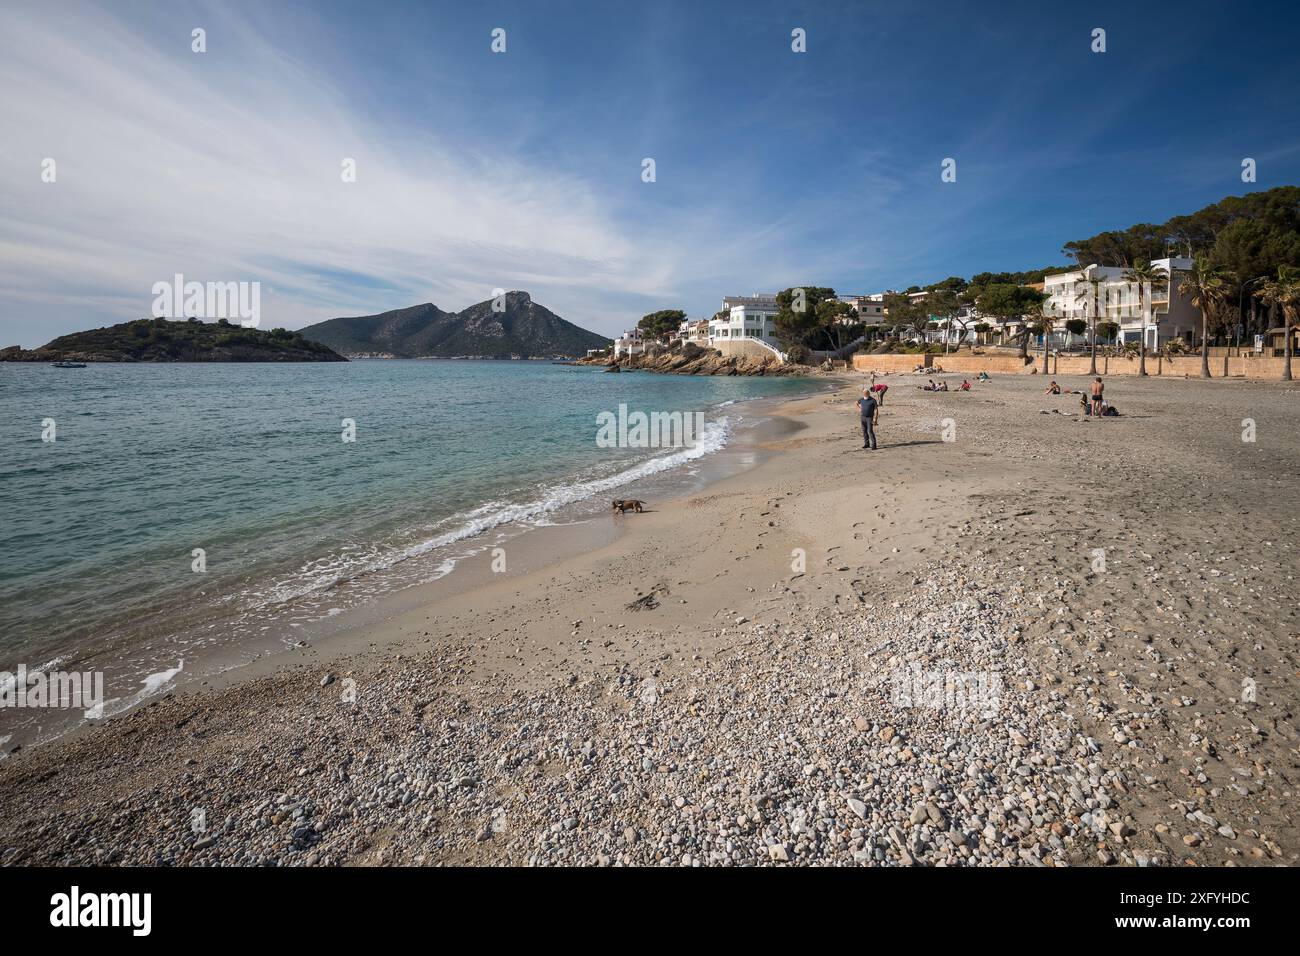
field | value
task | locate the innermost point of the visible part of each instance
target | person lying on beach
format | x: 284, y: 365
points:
x: 867, y: 408
x: 929, y: 388
x: 1053, y: 389
x: 919, y: 368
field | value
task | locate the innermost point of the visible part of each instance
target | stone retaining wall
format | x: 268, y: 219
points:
x: 1221, y: 366
x: 889, y: 363
x: 974, y: 364
x: 1230, y: 366
x: 747, y: 348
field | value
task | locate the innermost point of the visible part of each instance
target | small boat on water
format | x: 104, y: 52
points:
x: 69, y: 364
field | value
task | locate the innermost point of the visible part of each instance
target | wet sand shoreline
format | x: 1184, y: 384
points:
x: 501, y: 554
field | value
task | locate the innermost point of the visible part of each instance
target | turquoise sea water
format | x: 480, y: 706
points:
x: 247, y: 462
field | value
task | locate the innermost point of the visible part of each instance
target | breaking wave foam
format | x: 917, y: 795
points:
x: 322, y: 575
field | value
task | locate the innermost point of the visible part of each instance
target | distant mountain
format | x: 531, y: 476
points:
x: 161, y: 340
x: 523, y: 329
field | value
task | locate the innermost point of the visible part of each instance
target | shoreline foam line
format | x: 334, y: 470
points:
x: 493, y: 514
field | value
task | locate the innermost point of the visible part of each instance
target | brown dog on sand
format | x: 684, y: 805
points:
x: 624, y: 505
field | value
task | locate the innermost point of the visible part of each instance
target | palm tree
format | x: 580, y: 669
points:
x: 1025, y: 334
x: 1206, y: 287
x: 1046, y: 322
x: 1166, y: 273
x: 1284, y: 293
x: 1144, y: 274
x: 1088, y: 296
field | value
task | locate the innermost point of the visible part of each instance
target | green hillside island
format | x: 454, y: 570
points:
x: 162, y: 340
x: 522, y: 330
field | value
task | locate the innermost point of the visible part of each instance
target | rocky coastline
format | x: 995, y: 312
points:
x: 692, y: 359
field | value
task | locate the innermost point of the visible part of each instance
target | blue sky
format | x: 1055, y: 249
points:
x: 522, y: 170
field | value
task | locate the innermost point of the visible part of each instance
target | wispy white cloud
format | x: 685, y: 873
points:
x: 522, y: 172
x: 226, y: 166
x: 171, y: 161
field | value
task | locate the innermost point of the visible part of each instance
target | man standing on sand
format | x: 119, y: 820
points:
x: 867, y: 406
x: 1096, y: 397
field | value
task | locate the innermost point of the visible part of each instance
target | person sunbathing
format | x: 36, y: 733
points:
x: 929, y: 388
x: 943, y: 387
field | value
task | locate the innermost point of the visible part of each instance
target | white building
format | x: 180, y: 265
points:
x: 629, y: 343
x: 958, y: 329
x: 694, y: 331
x: 745, y: 317
x: 1103, y: 292
x: 870, y: 308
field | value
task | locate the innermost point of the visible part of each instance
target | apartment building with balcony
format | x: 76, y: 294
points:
x: 694, y: 331
x: 629, y: 343
x: 870, y: 308
x: 746, y: 317
x: 1159, y: 313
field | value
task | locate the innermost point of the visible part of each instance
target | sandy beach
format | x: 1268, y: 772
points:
x: 740, y: 676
